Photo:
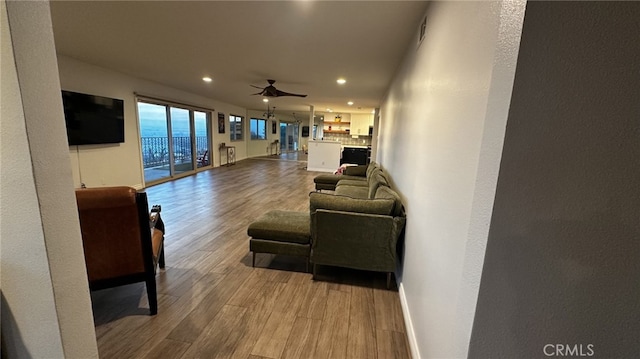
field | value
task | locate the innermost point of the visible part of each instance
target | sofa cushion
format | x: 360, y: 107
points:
x: 285, y: 226
x: 385, y: 192
x: 361, y: 192
x: 360, y: 170
x: 329, y: 181
x: 349, y: 182
x: 333, y: 179
x: 372, y: 165
x: 377, y: 179
x: 337, y: 202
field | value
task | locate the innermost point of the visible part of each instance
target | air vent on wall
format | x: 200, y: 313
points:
x: 422, y: 30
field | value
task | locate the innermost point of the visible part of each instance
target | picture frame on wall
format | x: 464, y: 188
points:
x: 220, y: 122
x: 274, y: 126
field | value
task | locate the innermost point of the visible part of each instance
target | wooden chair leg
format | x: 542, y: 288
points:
x: 152, y: 295
x: 253, y: 261
x: 314, y: 271
x: 161, y: 259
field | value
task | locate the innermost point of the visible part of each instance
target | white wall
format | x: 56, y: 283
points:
x: 121, y: 164
x: 46, y: 309
x: 563, y: 255
x: 441, y: 129
x: 256, y: 148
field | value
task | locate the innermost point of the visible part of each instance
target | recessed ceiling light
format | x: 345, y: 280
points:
x: 373, y: 111
x: 330, y: 110
x: 207, y: 79
x: 341, y: 81
x: 350, y: 103
x: 265, y: 100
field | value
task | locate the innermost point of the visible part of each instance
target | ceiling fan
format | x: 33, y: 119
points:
x: 271, y: 91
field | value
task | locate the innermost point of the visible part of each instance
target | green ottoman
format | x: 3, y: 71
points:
x: 281, y: 232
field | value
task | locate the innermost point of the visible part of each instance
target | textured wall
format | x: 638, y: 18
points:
x: 46, y: 308
x: 441, y: 130
x: 562, y: 264
x: 29, y: 320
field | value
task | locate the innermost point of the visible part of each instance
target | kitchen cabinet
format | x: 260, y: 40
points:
x: 360, y: 123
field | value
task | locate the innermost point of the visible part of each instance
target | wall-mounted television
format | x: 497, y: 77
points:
x: 93, y: 119
x: 305, y: 131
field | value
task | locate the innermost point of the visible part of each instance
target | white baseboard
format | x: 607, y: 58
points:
x: 413, y: 343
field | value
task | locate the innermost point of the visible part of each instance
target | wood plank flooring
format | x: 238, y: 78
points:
x: 213, y: 304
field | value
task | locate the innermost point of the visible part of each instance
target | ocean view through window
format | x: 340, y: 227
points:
x: 175, y: 140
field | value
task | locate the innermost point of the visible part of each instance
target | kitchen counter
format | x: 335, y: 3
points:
x: 324, y: 156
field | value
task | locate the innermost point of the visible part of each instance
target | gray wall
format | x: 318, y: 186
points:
x: 562, y: 264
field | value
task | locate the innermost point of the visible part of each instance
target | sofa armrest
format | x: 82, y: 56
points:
x: 355, y: 240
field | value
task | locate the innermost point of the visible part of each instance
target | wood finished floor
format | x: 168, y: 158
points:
x: 213, y: 304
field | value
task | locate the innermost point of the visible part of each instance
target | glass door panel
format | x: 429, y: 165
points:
x: 181, y: 138
x: 203, y: 147
x: 155, y: 141
x: 283, y: 137
x: 288, y: 137
x: 292, y: 136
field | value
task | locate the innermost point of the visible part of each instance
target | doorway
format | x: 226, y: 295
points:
x: 289, y: 141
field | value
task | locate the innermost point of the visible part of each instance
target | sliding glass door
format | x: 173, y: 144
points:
x: 202, y: 139
x: 181, y: 132
x: 175, y: 140
x: 154, y: 133
x: 288, y: 137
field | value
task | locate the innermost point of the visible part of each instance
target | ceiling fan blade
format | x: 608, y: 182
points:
x: 282, y: 93
x: 271, y: 91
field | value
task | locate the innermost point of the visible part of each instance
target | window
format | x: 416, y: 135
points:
x: 258, y: 129
x: 235, y: 127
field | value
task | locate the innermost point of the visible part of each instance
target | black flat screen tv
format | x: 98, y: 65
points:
x: 93, y: 119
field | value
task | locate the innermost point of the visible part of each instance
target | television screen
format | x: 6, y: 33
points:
x: 305, y: 131
x: 93, y: 119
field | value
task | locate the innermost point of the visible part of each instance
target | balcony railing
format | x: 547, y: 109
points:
x: 155, y: 150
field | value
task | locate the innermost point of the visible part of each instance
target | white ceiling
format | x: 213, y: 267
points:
x: 303, y: 45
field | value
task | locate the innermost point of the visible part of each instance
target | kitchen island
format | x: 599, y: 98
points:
x: 324, y: 156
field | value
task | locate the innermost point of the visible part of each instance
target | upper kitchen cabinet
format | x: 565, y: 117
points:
x: 360, y: 123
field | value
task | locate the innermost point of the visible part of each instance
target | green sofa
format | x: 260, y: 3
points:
x: 355, y: 173
x: 357, y: 226
x: 358, y: 233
